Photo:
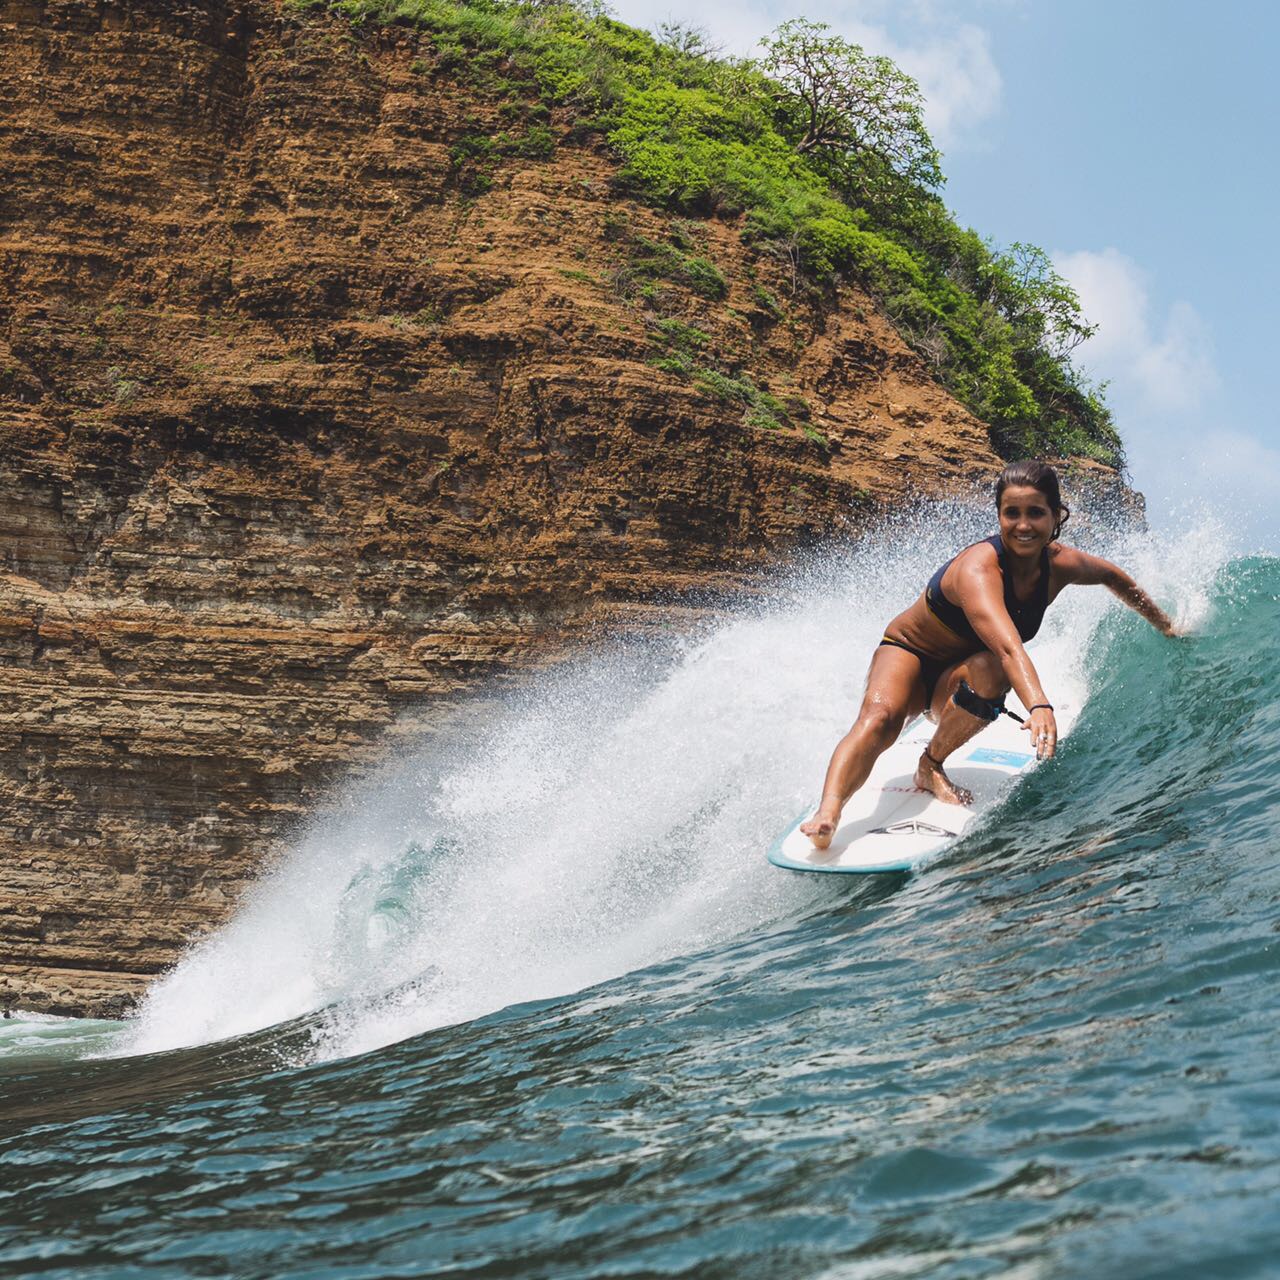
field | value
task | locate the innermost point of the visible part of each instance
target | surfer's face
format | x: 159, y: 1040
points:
x: 1026, y: 519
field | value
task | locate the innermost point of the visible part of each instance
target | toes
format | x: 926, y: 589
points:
x: 819, y: 830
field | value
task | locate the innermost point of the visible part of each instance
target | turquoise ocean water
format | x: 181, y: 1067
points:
x: 531, y: 1003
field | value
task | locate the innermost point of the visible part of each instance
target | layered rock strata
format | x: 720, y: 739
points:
x: 307, y: 423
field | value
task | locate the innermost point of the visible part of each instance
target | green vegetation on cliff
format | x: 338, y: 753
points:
x: 821, y: 154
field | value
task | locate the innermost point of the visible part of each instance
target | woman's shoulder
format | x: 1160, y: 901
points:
x: 1061, y: 553
x: 977, y: 563
x: 1070, y: 564
x: 978, y: 555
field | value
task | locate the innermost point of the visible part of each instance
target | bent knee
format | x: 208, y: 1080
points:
x: 880, y: 721
x: 985, y: 675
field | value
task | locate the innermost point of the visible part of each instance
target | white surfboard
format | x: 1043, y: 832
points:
x: 891, y: 825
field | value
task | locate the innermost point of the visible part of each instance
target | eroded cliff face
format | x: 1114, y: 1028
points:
x: 307, y: 424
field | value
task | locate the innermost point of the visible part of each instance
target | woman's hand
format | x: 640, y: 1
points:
x: 1043, y: 729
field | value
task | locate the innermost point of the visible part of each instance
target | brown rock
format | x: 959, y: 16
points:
x: 297, y: 435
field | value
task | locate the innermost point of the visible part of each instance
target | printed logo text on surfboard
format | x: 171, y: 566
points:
x: 912, y: 827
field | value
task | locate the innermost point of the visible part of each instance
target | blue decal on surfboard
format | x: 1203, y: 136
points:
x: 988, y: 755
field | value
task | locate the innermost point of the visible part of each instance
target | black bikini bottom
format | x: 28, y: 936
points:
x: 931, y: 669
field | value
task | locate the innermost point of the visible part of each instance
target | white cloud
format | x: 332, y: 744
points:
x: 1164, y: 386
x: 1235, y: 459
x: 1156, y: 363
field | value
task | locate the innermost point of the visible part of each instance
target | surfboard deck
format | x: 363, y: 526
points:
x: 890, y: 825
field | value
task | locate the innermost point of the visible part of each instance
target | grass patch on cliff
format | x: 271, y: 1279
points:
x: 475, y: 156
x: 702, y: 135
x: 761, y: 410
x: 655, y: 261
x: 677, y: 335
x: 647, y: 264
x: 688, y: 353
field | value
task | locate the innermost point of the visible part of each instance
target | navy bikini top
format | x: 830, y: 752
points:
x: 1027, y: 615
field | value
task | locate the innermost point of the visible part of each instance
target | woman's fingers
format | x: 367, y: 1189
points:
x: 1044, y: 733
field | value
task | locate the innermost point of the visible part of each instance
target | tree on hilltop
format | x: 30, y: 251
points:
x: 859, y: 116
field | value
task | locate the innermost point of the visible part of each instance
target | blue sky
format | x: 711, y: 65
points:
x: 1136, y: 143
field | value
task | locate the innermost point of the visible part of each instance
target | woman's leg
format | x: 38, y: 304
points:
x: 894, y: 692
x: 956, y: 726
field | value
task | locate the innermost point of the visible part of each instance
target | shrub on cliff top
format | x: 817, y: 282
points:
x: 823, y: 152
x: 857, y: 117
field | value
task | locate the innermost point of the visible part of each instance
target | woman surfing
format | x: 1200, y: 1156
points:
x: 958, y: 649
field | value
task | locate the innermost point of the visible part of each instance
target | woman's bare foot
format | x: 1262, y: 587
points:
x: 820, y: 829
x: 930, y: 777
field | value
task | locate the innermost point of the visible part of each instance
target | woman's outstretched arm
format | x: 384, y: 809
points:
x: 1086, y: 570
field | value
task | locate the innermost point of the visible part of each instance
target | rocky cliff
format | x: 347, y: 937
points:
x: 308, y: 420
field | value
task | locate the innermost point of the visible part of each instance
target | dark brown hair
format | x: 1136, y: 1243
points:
x: 1034, y: 474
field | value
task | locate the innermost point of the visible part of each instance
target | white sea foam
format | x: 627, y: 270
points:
x: 609, y: 818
